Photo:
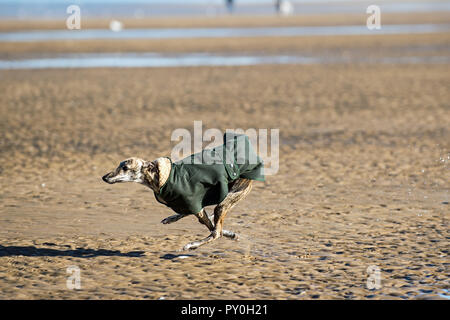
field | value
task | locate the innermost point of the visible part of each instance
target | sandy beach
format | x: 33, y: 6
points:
x: 363, y: 175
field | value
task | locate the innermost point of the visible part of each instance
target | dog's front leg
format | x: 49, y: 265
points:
x: 173, y: 218
x: 195, y: 244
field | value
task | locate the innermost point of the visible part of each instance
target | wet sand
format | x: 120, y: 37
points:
x: 231, y: 21
x: 363, y: 181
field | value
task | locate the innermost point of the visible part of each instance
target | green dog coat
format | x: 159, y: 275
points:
x: 204, y: 178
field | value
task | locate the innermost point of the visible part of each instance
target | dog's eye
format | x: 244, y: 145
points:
x: 124, y: 168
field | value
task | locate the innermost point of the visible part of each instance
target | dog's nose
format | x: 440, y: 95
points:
x: 105, y: 177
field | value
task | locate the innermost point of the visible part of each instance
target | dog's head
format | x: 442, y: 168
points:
x: 130, y: 170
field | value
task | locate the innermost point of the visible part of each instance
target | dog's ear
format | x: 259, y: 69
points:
x: 151, y: 174
x: 150, y: 166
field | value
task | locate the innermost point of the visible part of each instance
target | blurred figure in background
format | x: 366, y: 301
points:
x: 284, y: 7
x: 277, y: 6
x: 229, y: 4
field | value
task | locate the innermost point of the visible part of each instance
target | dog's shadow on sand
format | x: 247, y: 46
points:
x: 30, y: 251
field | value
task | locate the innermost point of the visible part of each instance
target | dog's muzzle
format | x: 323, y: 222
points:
x: 106, y: 178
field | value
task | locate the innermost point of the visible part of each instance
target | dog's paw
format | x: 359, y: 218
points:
x: 230, y: 235
x: 165, y: 221
x: 190, y: 246
x: 169, y: 220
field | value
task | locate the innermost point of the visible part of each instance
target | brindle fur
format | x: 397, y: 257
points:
x: 153, y: 175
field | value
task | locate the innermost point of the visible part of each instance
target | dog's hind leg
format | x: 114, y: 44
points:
x: 173, y: 218
x: 203, y: 218
x: 238, y: 191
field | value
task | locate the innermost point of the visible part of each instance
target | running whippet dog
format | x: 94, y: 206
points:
x: 221, y: 176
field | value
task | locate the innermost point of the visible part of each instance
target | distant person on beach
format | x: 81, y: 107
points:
x: 229, y: 4
x: 284, y: 7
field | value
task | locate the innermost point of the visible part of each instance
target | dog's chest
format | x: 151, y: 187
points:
x: 161, y: 200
